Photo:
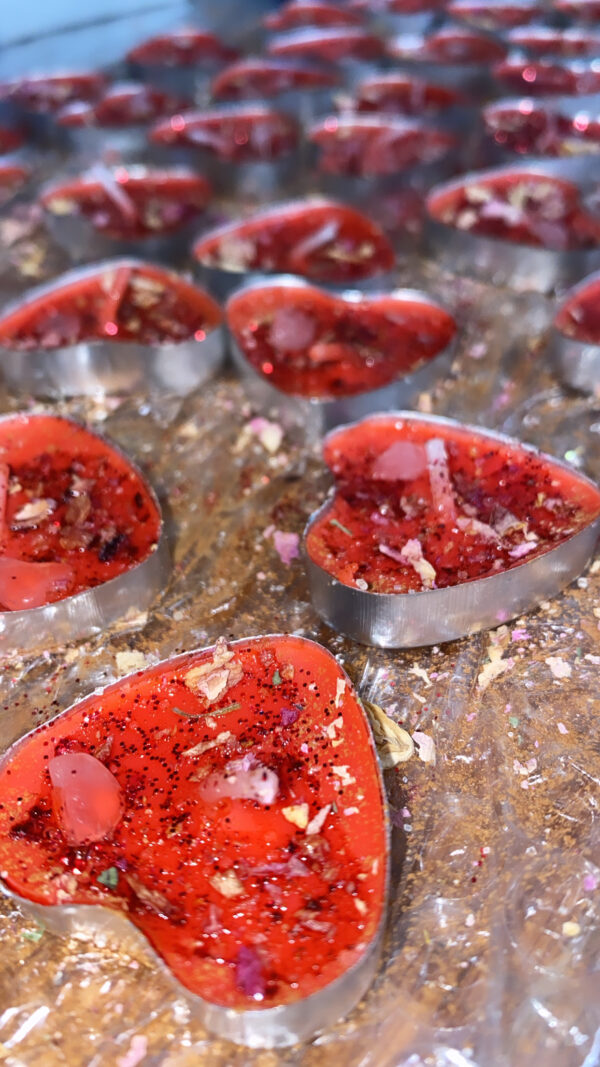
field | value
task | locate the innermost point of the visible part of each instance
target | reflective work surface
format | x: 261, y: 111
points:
x: 494, y: 937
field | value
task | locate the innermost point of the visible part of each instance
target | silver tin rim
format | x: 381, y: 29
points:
x: 577, y: 362
x: 412, y: 620
x: 326, y: 414
x: 502, y: 262
x: 222, y: 282
x: 93, y: 610
x: 92, y: 368
x: 272, y: 1027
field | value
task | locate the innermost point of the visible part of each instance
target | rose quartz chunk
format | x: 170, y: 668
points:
x: 86, y: 797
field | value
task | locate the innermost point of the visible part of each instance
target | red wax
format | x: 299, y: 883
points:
x: 452, y: 46
x: 520, y: 206
x: 579, y: 317
x: 495, y: 16
x: 46, y: 94
x: 159, y: 202
x: 421, y: 506
x: 268, y: 77
x: 324, y: 242
x: 540, y: 130
x: 376, y: 147
x: 400, y: 94
x: 73, y: 512
x: 136, y: 303
x: 10, y: 140
x: 327, y: 45
x: 586, y: 10
x: 310, y: 13
x: 251, y: 135
x: 308, y: 343
x: 181, y: 48
x: 121, y: 105
x: 396, y: 7
x: 252, y: 846
x: 566, y: 43
x: 12, y: 177
x: 546, y: 77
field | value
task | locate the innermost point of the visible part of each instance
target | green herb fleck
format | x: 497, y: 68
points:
x: 276, y: 679
x: 513, y: 720
x: 344, y: 529
x: 187, y: 714
x: 33, y: 935
x: 223, y: 711
x: 109, y: 877
x: 334, y: 808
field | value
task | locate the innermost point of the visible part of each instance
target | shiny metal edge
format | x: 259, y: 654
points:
x: 94, y: 142
x: 412, y: 620
x: 93, y: 610
x: 504, y: 262
x: 108, y: 367
x: 577, y: 362
x: 272, y: 1027
x: 322, y: 415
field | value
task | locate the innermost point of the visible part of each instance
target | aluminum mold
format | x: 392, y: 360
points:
x: 432, y: 617
x: 577, y: 362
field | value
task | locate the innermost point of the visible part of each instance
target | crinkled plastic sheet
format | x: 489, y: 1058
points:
x: 493, y: 950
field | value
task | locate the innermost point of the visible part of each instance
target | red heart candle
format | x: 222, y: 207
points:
x: 544, y: 41
x: 547, y: 77
x: 527, y: 127
x: 45, y: 94
x: 321, y: 240
x: 116, y: 125
x: 125, y: 209
x: 312, y: 13
x: 328, y: 45
x: 377, y: 146
x: 116, y: 327
x: 80, y: 531
x: 584, y: 10
x: 456, y: 57
x: 401, y: 94
x: 575, y: 338
x: 297, y: 88
x: 10, y: 140
x: 474, y: 527
x: 181, y: 61
x: 228, y: 803
x: 528, y: 226
x: 495, y: 15
x: 13, y: 177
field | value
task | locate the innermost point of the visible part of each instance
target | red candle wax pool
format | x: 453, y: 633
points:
x: 579, y: 316
x: 250, y: 135
x: 308, y: 343
x: 424, y: 506
x: 73, y: 512
x: 399, y: 94
x: 121, y: 302
x: 317, y: 13
x: 180, y: 48
x: 325, y: 242
x: 327, y: 45
x: 233, y: 812
x: 121, y: 105
x: 518, y: 206
x: 374, y: 146
x: 45, y: 94
x: 268, y: 77
x: 125, y: 205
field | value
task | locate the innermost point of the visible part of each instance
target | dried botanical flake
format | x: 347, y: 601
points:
x: 276, y: 679
x: 316, y: 824
x: 394, y: 744
x: 33, y: 512
x: 127, y: 662
x: 136, y: 1052
x: 420, y: 672
x: 344, y: 775
x: 270, y: 434
x: 340, y: 689
x: 559, y: 667
x: 332, y: 727
x: 360, y: 905
x: 227, y: 884
x: 412, y: 553
x: 109, y: 877
x: 33, y: 935
x: 562, y: 729
x: 496, y: 666
x: 287, y: 545
x: 213, y: 678
x: 340, y: 526
x: 60, y: 205
x: 425, y: 746
x: 205, y: 746
x: 297, y: 814
x: 571, y: 929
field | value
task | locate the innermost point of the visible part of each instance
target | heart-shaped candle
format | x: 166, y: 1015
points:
x: 45, y: 94
x: 548, y: 77
x: 328, y: 45
x: 544, y: 41
x: 527, y: 127
x: 243, y: 134
x: 313, y: 13
x: 180, y: 48
x: 10, y: 140
x: 309, y: 343
x: 449, y: 46
x: 401, y: 94
x: 126, y: 104
x: 582, y: 10
x: 321, y: 240
x: 251, y: 79
x: 527, y: 226
x: 376, y: 146
x: 79, y: 532
x: 228, y: 804
x: 12, y: 179
x: 473, y: 526
x: 575, y: 336
x: 115, y: 327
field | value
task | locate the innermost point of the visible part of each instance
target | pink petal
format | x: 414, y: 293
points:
x: 287, y: 545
